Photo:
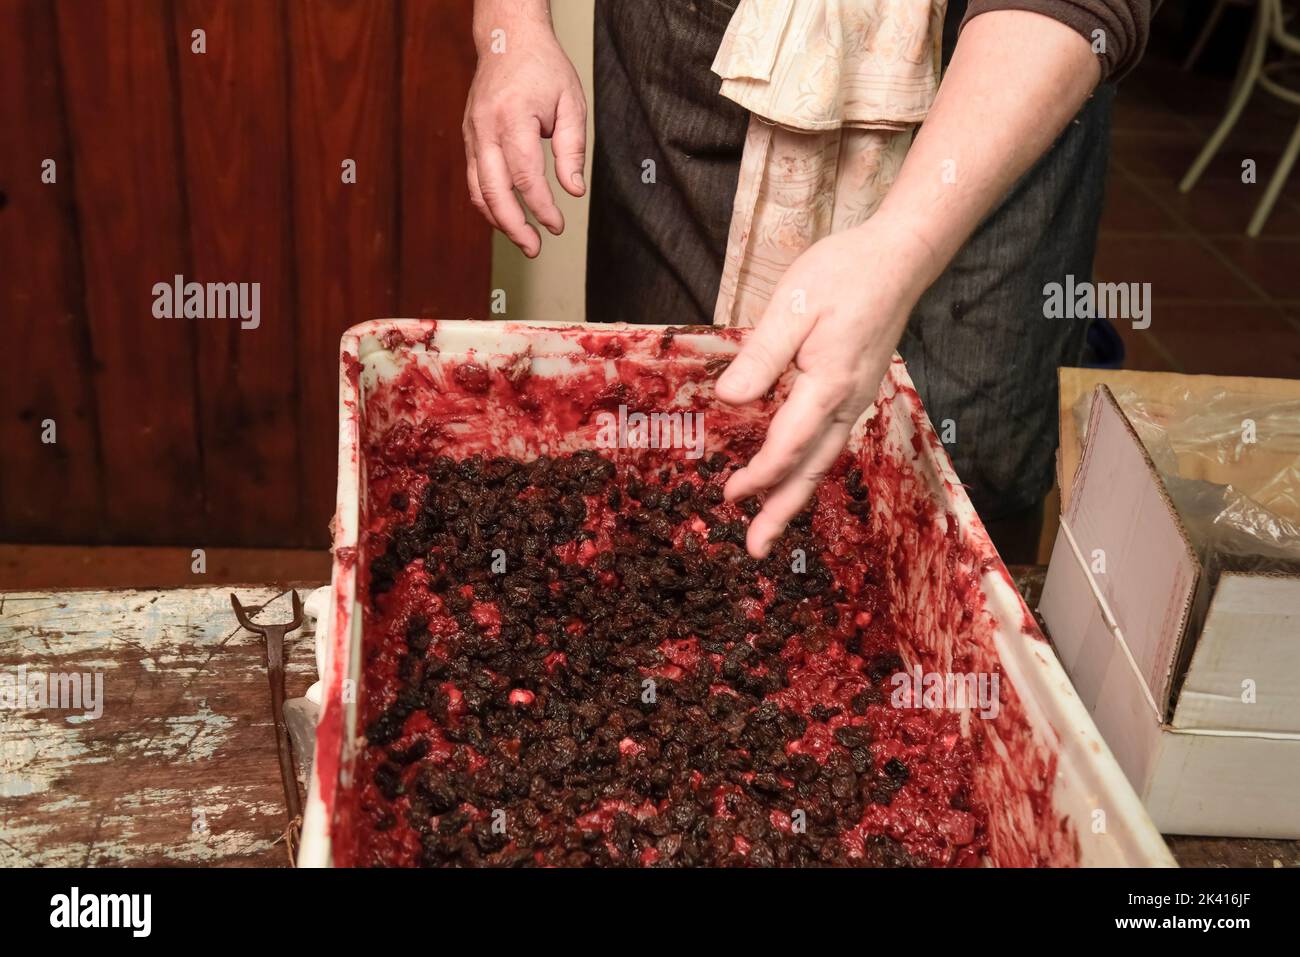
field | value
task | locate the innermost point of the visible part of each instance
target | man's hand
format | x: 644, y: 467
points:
x: 525, y: 89
x: 837, y: 313
x: 858, y: 287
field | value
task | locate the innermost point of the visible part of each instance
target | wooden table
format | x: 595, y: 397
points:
x: 180, y: 768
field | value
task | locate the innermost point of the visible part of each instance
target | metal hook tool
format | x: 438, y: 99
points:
x: 274, y: 649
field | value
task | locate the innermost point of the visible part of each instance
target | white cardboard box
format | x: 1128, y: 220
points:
x: 1206, y: 726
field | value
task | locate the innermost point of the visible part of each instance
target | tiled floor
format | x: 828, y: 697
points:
x: 1222, y: 303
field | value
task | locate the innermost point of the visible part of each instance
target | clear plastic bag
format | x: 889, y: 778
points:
x: 1231, y: 463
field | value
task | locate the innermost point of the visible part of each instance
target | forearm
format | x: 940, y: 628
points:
x: 1016, y: 79
x: 524, y: 16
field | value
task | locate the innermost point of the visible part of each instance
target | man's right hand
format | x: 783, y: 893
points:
x: 524, y: 90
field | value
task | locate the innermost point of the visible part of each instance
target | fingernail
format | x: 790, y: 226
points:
x: 578, y: 181
x: 729, y: 491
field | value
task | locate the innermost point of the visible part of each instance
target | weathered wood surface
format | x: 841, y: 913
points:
x: 181, y: 766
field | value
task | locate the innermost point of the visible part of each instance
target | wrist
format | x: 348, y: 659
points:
x: 499, y: 25
x: 905, y: 260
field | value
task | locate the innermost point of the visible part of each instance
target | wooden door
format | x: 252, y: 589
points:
x: 309, y: 146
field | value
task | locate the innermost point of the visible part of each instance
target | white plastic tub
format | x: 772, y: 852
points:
x: 1055, y: 794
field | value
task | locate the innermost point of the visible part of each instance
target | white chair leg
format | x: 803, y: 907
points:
x: 1275, y: 185
x: 1253, y: 64
x: 1203, y: 37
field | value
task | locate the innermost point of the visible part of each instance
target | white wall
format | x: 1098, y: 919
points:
x: 551, y: 286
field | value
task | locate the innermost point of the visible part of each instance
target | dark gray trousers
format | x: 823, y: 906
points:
x: 982, y: 354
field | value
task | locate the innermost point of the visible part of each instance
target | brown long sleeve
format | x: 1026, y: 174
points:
x: 1124, y: 25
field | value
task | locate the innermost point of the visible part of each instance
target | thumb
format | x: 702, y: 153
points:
x: 768, y: 350
x: 569, y: 143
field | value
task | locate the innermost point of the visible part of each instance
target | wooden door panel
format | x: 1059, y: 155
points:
x: 222, y: 166
x: 119, y: 87
x: 50, y: 490
x: 444, y: 273
x: 344, y: 85
x: 234, y: 116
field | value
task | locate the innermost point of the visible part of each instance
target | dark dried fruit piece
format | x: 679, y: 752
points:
x: 620, y: 692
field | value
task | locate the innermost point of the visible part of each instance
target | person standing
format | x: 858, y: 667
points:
x: 999, y: 194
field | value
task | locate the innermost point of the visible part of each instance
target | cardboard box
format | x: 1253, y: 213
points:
x: 1205, y: 721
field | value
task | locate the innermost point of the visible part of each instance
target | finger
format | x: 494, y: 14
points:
x: 569, y: 143
x: 797, y: 426
x: 499, y: 194
x: 476, y: 194
x: 795, y: 491
x: 767, y: 351
x: 523, y: 151
x: 471, y: 173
